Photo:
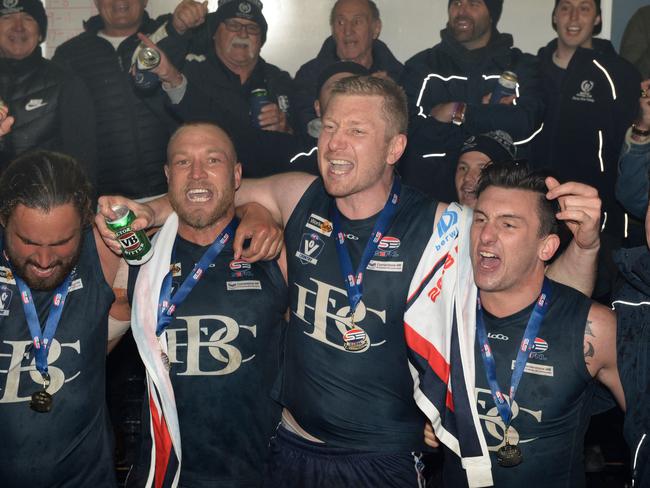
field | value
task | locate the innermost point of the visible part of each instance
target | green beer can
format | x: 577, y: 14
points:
x: 136, y: 246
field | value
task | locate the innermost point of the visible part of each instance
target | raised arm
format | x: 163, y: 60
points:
x: 580, y: 210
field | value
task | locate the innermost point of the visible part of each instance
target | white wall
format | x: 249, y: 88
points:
x: 297, y: 28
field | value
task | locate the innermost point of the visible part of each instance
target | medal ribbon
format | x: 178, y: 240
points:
x: 42, y: 339
x: 527, y: 343
x: 168, y: 303
x: 354, y: 282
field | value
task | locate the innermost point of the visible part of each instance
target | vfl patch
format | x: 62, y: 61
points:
x: 175, y: 269
x: 5, y: 301
x: 243, y: 285
x: 75, y: 285
x: 310, y: 248
x: 6, y: 276
x: 388, y: 266
x: 538, y: 369
x: 540, y: 346
x: 319, y: 224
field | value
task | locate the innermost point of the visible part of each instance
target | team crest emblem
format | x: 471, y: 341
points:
x: 245, y: 8
x: 584, y: 95
x: 9, y: 3
x: 5, y: 301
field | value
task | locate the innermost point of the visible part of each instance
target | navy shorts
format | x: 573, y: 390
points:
x: 297, y: 462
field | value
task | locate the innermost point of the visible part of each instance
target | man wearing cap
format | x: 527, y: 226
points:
x: 356, y: 26
x: 591, y: 97
x: 132, y: 126
x: 449, y: 87
x: 477, y: 152
x: 50, y: 107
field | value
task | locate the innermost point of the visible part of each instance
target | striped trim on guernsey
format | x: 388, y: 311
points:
x: 418, y: 465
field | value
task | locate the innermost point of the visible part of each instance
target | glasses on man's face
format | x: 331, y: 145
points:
x: 251, y: 29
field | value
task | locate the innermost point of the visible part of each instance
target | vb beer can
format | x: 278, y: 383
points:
x: 506, y: 86
x: 136, y: 246
x: 146, y: 60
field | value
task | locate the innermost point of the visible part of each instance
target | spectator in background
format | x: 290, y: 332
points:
x: 219, y: 86
x: 632, y: 183
x: 591, y: 99
x: 449, y: 87
x: 356, y: 26
x: 632, y: 305
x: 635, y: 45
x: 132, y: 126
x: 475, y: 154
x: 51, y: 107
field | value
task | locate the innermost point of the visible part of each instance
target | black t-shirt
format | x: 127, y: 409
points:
x: 552, y: 405
x: 224, y: 348
x: 360, y: 400
x: 68, y: 446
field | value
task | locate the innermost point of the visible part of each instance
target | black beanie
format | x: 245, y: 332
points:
x: 241, y: 9
x: 494, y: 7
x: 496, y: 145
x: 32, y: 7
x: 597, y: 28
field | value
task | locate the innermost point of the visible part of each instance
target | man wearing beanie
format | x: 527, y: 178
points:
x: 132, y: 126
x: 224, y: 82
x: 355, y: 26
x: 475, y: 154
x: 449, y: 87
x: 225, y: 78
x: 591, y: 96
x: 50, y: 107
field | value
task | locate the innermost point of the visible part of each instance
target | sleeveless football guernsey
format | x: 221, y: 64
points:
x: 224, y: 347
x: 361, y: 400
x: 68, y: 446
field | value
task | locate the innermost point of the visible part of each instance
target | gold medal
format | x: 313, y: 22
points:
x: 41, y: 401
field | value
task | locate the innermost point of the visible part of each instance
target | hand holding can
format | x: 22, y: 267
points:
x: 136, y: 246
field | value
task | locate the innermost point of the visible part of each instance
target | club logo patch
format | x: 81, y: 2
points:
x: 240, y: 269
x: 584, y: 95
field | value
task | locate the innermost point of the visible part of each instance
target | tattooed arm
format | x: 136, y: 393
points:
x: 600, y: 349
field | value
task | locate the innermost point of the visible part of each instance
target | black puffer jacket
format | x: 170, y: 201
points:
x: 52, y: 108
x: 632, y: 305
x: 133, y: 127
x: 307, y: 76
x: 589, y: 106
x: 448, y: 72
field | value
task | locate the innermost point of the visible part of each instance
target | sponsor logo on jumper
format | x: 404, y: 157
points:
x: 540, y: 346
x: 35, y: 103
x: 175, y: 269
x: 493, y: 424
x: 319, y: 224
x: 283, y: 103
x: 388, y: 266
x: 387, y: 247
x: 6, y: 276
x: 325, y: 310
x: 5, y: 300
x: 584, y: 95
x: 243, y: 285
x: 538, y: 369
x: 240, y: 269
x: 498, y: 337
x: 310, y: 248
x: 76, y: 285
x: 447, y: 220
